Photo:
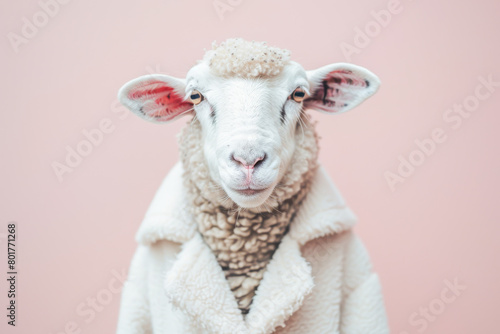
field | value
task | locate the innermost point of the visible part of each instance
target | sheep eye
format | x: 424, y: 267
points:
x: 196, y: 97
x: 298, y: 95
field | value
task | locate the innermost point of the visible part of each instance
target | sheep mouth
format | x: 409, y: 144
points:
x: 249, y: 191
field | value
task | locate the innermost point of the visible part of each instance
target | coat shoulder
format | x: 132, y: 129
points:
x: 346, y: 252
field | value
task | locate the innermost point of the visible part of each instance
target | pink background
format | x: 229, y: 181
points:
x: 440, y: 224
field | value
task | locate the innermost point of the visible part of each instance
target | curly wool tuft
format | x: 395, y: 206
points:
x: 244, y: 241
x: 237, y: 57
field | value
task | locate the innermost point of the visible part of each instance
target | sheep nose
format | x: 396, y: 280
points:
x: 249, y: 162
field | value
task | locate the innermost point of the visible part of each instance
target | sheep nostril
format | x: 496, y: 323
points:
x: 239, y: 160
x: 259, y: 161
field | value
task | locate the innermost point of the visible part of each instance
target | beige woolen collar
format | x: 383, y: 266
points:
x: 322, y: 212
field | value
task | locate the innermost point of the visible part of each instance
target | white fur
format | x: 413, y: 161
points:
x: 247, y: 123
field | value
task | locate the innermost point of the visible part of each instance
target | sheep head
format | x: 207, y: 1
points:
x: 249, y: 99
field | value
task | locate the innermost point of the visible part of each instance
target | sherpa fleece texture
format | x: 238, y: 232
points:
x: 318, y: 281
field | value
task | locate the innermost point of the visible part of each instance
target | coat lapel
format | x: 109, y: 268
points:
x: 286, y: 282
x: 196, y: 284
x: 323, y: 212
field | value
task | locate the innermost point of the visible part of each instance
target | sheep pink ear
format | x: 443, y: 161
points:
x: 156, y: 98
x: 339, y: 87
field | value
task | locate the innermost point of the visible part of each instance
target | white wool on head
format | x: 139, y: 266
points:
x: 237, y: 57
x: 244, y: 240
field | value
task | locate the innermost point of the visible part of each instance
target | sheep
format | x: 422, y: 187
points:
x: 249, y: 153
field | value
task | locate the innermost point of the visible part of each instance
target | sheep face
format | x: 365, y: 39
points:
x: 249, y: 128
x: 250, y: 123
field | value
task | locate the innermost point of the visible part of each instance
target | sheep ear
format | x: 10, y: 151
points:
x: 156, y: 98
x: 339, y: 87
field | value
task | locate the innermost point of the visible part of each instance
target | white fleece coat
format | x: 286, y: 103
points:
x: 318, y: 281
